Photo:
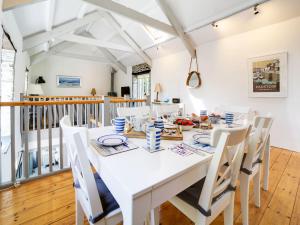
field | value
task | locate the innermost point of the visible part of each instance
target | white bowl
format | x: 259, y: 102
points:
x: 187, y: 127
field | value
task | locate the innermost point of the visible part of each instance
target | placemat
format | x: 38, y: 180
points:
x: 107, y: 151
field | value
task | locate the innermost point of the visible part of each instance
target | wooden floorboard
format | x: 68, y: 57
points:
x: 50, y: 200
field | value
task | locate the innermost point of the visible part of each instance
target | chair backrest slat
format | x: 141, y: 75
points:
x: 230, y: 145
x: 76, y: 139
x: 257, y: 142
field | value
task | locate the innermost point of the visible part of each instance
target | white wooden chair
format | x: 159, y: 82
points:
x: 92, y: 196
x: 251, y: 166
x: 206, y: 199
x: 242, y: 114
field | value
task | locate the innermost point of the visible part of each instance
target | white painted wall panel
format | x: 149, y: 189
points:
x: 93, y: 75
x: 223, y: 66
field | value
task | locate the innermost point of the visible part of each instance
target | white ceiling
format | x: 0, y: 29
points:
x: 192, y: 14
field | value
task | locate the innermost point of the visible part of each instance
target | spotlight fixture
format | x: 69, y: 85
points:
x: 214, y: 25
x: 255, y: 10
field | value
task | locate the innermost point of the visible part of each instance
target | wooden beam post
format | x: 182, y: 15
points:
x: 177, y: 26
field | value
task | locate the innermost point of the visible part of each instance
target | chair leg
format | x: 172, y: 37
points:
x: 79, y: 213
x: 266, y: 164
x: 244, y: 192
x: 229, y: 212
x: 256, y: 181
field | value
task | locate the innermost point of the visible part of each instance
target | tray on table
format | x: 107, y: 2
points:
x: 177, y: 136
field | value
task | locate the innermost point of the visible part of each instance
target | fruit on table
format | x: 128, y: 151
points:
x: 184, y: 122
x: 204, y: 118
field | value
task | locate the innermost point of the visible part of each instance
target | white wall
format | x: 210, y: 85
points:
x: 93, y: 75
x: 223, y: 67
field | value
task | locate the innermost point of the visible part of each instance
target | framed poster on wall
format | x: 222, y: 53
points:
x: 267, y: 76
x: 68, y: 81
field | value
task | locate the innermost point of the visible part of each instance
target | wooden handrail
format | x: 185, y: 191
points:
x: 44, y: 103
x: 126, y: 100
x: 60, y: 96
x: 67, y: 102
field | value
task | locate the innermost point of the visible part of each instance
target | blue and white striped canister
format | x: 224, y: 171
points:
x: 159, y: 123
x: 229, y: 118
x: 203, y: 112
x: 153, y: 138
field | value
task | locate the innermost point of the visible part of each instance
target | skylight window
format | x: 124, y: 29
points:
x: 156, y: 36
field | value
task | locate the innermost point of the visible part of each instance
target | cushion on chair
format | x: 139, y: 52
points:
x: 108, y: 202
x: 192, y: 194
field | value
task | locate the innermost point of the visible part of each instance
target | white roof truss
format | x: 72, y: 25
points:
x: 111, y: 20
x: 13, y: 4
x: 122, y: 10
x: 56, y: 32
x: 177, y: 26
x: 83, y: 57
x: 110, y: 56
x: 43, y: 55
x: 94, y: 42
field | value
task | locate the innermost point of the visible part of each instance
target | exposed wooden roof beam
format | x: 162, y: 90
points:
x: 94, y: 42
x: 40, y: 38
x: 112, y: 21
x: 83, y: 57
x: 13, y: 4
x: 133, y: 15
x: 177, y: 26
x: 50, y: 20
x: 110, y: 56
x: 34, y: 59
x: 82, y: 10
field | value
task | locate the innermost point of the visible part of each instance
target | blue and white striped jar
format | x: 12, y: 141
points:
x: 148, y: 125
x: 229, y: 118
x: 153, y: 138
x: 159, y: 124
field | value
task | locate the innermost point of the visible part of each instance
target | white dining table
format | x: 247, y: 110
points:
x: 141, y: 181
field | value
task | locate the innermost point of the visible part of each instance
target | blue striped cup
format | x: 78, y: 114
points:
x: 153, y: 138
x: 229, y: 118
x: 203, y: 112
x: 119, y: 124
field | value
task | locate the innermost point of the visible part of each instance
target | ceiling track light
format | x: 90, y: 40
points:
x: 255, y: 10
x: 214, y: 25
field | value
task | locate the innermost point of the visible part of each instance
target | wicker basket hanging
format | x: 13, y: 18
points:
x: 193, y: 80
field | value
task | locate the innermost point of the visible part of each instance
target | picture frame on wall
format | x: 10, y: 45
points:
x: 63, y: 81
x: 267, y: 76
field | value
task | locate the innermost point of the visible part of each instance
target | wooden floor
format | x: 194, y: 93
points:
x: 51, y: 200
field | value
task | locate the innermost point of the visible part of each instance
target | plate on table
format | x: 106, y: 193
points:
x: 112, y: 140
x: 202, y: 138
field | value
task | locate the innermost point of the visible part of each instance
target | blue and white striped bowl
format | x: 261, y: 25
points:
x: 153, y: 138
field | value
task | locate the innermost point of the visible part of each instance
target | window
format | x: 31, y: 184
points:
x: 141, y: 85
x: 7, y: 75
